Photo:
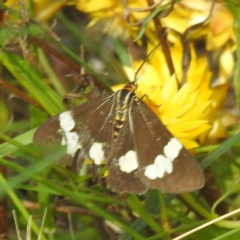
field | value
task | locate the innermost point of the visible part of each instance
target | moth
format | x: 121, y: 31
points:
x: 122, y: 132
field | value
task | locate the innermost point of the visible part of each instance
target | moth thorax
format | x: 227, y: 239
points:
x: 123, y: 101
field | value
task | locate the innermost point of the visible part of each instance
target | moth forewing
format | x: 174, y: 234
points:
x: 164, y: 163
x: 100, y: 128
x: 122, y: 164
x: 78, y: 128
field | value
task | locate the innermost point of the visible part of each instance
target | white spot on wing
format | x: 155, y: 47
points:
x: 160, y: 166
x: 71, y: 139
x: 128, y: 162
x: 163, y: 163
x: 96, y: 153
x: 150, y: 172
x: 172, y: 149
x: 67, y: 123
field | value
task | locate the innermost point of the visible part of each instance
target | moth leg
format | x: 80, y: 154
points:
x: 146, y: 96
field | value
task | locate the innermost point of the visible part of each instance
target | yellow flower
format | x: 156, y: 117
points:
x: 185, y: 108
x: 110, y: 14
x: 217, y: 31
x: 45, y: 10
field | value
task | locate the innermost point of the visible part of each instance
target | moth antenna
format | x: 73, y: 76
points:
x: 144, y: 61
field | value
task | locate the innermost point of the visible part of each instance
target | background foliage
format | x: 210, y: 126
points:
x: 37, y: 71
